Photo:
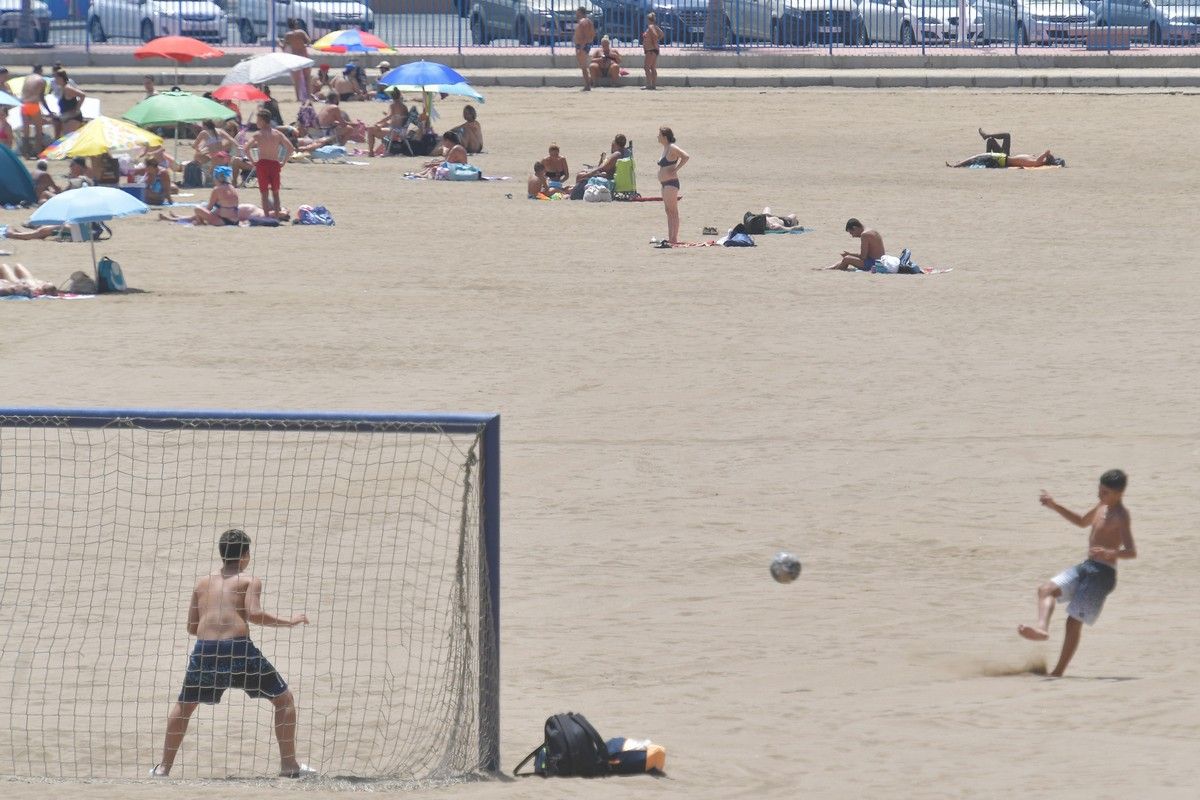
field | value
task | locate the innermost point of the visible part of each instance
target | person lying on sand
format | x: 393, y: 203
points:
x: 246, y: 211
x: 996, y: 142
x: 1085, y: 585
x: 30, y: 234
x: 1002, y: 160
x: 455, y: 153
x: 872, y: 248
x: 17, y: 281
x: 776, y: 222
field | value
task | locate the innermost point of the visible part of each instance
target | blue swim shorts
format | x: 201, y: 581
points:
x: 219, y: 664
x: 1085, y: 586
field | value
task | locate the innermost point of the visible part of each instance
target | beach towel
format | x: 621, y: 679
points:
x: 643, y: 199
x: 663, y: 244
x: 798, y: 229
x: 49, y: 297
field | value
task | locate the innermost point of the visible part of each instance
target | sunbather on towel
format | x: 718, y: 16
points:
x: 455, y: 153
x: 776, y: 222
x: 871, y: 250
x: 17, y: 281
x: 1002, y: 160
x: 29, y: 234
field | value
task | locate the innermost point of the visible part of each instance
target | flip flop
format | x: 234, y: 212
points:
x: 709, y: 231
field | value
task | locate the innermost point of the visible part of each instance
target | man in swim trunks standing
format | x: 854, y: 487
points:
x: 269, y: 148
x: 1085, y: 585
x: 33, y: 100
x: 870, y: 252
x: 223, y: 605
x: 585, y: 34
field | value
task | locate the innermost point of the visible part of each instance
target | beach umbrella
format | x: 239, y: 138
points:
x: 100, y: 136
x: 85, y: 206
x: 423, y: 76
x: 166, y: 108
x: 16, y: 84
x: 352, y: 41
x: 180, y: 49
x: 240, y: 91
x: 7, y: 99
x: 459, y: 89
x: 265, y: 68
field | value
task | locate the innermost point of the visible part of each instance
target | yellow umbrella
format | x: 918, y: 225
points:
x: 100, y: 136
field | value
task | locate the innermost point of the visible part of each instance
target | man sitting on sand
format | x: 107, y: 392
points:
x: 1085, y: 585
x: 470, y: 133
x: 870, y: 252
x: 43, y: 182
x: 606, y: 62
x: 608, y: 161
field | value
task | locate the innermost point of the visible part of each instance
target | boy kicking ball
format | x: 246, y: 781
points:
x: 1086, y: 585
x: 224, y: 603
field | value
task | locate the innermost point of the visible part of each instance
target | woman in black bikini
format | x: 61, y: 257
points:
x: 69, y: 102
x: 673, y: 159
x: 651, y: 38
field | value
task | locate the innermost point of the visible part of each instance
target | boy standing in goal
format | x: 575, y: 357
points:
x: 223, y: 605
x: 1086, y: 584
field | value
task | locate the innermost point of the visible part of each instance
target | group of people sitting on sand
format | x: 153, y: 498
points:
x: 550, y: 174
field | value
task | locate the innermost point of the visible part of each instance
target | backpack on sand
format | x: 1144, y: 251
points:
x: 572, y: 748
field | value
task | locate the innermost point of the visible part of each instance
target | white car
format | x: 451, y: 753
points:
x: 149, y: 19
x: 1178, y: 22
x: 1055, y: 21
x: 918, y: 21
x: 10, y: 20
x: 938, y: 21
x: 317, y: 17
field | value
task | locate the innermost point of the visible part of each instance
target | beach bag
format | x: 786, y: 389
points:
x: 463, y: 172
x: 602, y: 182
x: 313, y: 215
x: 79, y: 283
x: 597, y: 194
x: 755, y: 223
x: 193, y: 175
x: 739, y: 240
x: 624, y: 179
x: 635, y: 756
x: 571, y: 748
x: 263, y: 222
x: 111, y: 277
x: 886, y: 265
x: 307, y: 117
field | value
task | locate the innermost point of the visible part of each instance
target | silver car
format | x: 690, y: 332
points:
x: 1056, y: 21
x: 944, y: 21
x: 10, y: 20
x: 529, y: 21
x: 1178, y: 22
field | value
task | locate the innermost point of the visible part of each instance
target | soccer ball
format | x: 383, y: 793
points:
x: 785, y: 567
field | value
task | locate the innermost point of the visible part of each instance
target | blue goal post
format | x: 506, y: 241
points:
x: 63, y: 469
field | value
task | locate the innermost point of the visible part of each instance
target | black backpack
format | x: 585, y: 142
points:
x: 572, y: 748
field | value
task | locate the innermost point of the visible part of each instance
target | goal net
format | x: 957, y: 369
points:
x: 383, y: 529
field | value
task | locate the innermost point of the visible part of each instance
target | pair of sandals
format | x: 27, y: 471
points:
x: 305, y: 771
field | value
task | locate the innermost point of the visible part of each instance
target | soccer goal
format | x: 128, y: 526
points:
x: 383, y: 528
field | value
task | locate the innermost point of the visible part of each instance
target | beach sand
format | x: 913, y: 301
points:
x: 672, y: 419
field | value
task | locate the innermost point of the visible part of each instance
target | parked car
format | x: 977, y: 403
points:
x: 686, y: 21
x: 1003, y: 21
x: 318, y: 17
x: 1052, y: 21
x: 624, y: 20
x: 1179, y: 22
x: 807, y: 22
x: 939, y: 21
x: 149, y: 19
x: 10, y: 20
x: 1143, y: 14
x: 888, y: 21
x: 528, y: 21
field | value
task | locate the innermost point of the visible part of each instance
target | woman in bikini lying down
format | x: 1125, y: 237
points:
x: 17, y: 281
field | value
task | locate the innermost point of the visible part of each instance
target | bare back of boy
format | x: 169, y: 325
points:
x: 219, y: 601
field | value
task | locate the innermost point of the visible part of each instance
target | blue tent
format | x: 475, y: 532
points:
x: 16, y: 184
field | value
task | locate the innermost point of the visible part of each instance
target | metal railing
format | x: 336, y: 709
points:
x: 927, y: 25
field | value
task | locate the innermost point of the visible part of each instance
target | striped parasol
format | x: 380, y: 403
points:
x: 101, y: 135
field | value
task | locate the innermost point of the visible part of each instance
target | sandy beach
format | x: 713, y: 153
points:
x: 673, y: 418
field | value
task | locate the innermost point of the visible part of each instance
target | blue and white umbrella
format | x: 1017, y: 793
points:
x: 85, y: 206
x: 423, y: 75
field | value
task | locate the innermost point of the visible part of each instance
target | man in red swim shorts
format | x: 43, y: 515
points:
x: 268, y: 149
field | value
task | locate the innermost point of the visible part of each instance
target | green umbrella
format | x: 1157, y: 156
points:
x: 168, y: 108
